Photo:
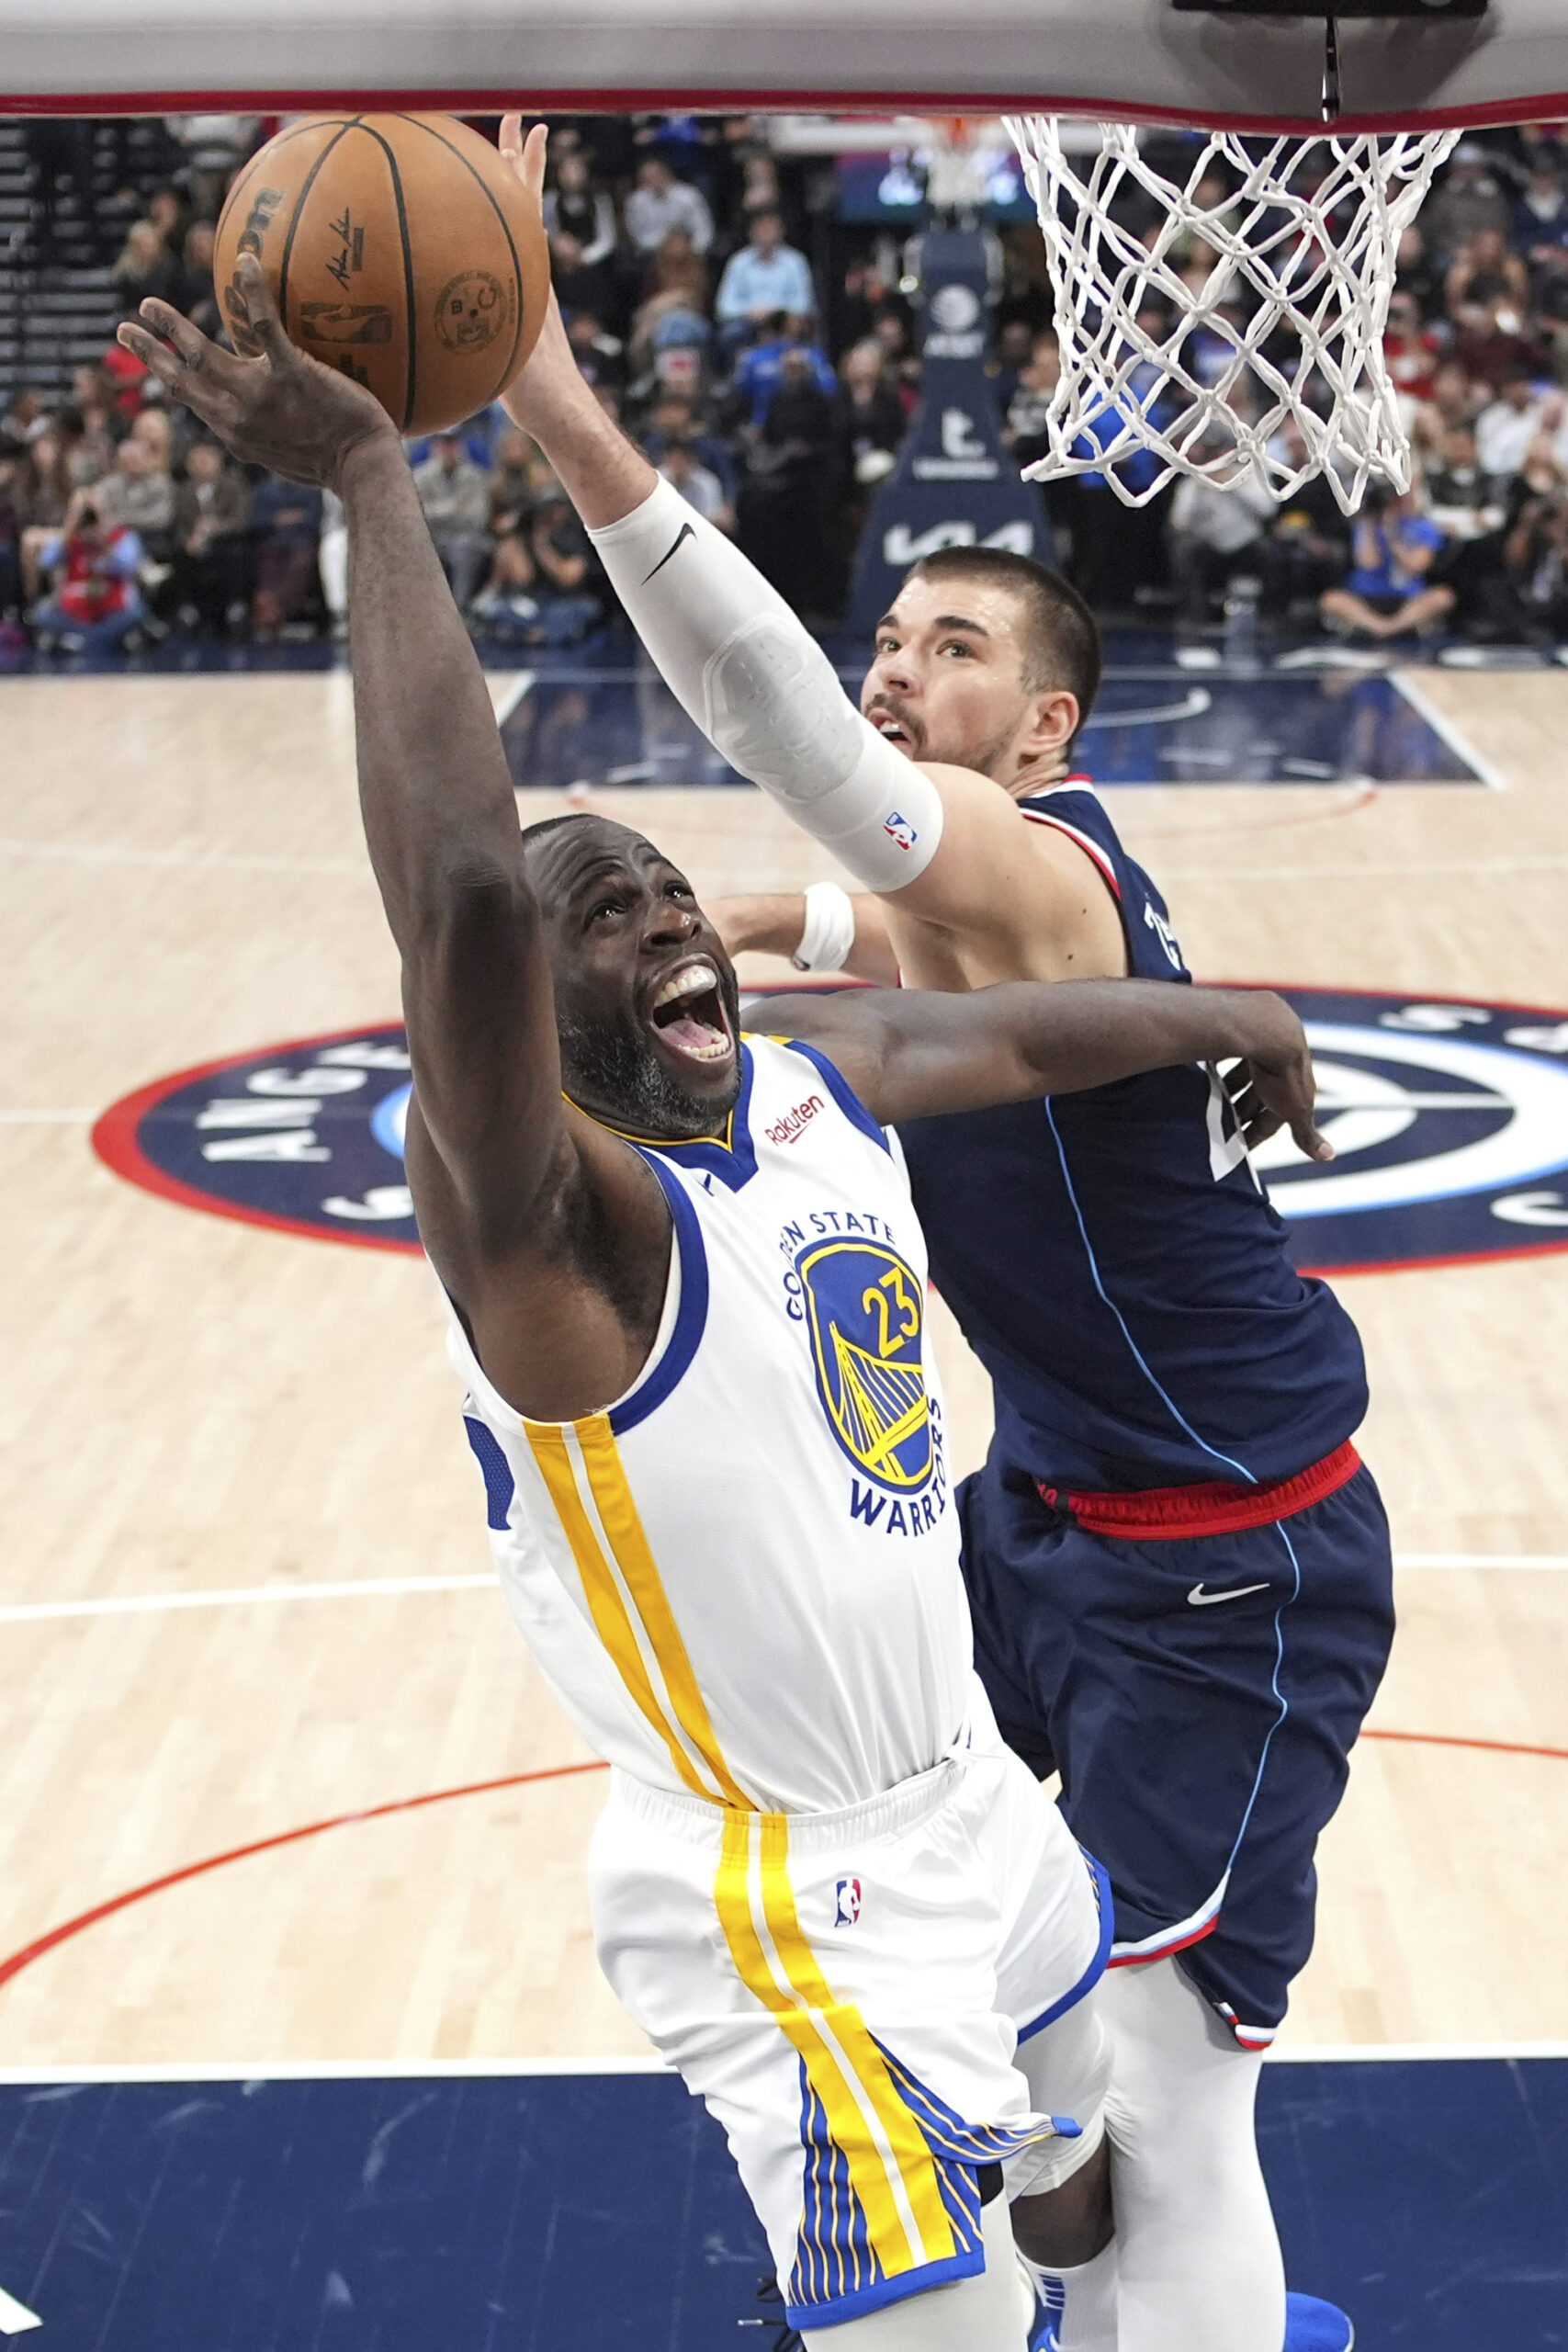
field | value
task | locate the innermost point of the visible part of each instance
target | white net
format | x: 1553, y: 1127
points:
x: 1233, y: 320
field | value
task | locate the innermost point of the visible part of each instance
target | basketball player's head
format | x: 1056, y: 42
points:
x: 647, y: 1005
x: 985, y: 661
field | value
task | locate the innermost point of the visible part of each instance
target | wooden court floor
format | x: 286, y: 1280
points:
x: 193, y: 1407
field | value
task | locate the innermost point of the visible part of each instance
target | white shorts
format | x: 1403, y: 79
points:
x: 846, y: 1991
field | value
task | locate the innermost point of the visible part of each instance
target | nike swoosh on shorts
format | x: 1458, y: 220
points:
x: 1199, y: 1598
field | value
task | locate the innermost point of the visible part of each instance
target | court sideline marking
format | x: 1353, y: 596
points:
x: 135, y: 1604
x: 13, y: 1965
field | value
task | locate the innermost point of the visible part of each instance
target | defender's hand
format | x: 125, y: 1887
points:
x: 551, y: 375
x: 272, y: 406
x: 1274, y: 1086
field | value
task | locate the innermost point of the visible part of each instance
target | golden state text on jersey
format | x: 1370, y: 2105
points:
x: 742, y: 1578
x: 863, y: 1311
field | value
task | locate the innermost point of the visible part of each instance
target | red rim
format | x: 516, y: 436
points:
x: 1494, y: 113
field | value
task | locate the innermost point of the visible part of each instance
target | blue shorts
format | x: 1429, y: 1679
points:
x: 1202, y: 1741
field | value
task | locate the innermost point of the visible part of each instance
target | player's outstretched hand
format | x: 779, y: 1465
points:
x: 550, y: 375
x: 268, y: 402
x: 1273, y: 1085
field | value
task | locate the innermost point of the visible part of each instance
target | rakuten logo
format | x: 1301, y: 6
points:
x: 788, y: 1129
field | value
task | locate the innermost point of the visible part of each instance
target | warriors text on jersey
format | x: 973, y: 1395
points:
x: 1118, y: 1268
x: 742, y: 1579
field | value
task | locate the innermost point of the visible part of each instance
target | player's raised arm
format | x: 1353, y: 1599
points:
x: 910, y: 1054
x: 502, y: 1174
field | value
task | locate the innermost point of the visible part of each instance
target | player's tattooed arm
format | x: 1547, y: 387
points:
x: 522, y: 1203
x: 913, y: 1053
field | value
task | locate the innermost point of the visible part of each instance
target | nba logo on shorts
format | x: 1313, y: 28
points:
x: 902, y: 831
x: 847, y: 1911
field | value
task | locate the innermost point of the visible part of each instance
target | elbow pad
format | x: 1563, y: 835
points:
x: 764, y: 694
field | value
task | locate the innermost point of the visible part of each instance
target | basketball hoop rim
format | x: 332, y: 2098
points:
x: 1494, y: 114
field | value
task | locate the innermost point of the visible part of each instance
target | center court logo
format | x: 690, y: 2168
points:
x: 1449, y: 1117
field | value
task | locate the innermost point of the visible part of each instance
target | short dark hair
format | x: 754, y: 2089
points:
x: 1060, y: 638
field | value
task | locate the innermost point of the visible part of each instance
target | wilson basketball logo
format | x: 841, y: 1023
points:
x: 1449, y: 1116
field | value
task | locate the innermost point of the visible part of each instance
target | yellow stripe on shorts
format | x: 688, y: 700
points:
x: 891, y: 2168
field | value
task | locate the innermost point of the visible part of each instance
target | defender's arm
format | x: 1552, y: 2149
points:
x: 913, y: 1053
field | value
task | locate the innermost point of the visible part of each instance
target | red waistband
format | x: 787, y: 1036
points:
x: 1165, y: 1513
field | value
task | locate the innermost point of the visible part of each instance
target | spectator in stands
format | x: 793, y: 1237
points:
x: 1415, y: 272
x: 1015, y: 344
x: 784, y: 492
x: 675, y: 418
x: 198, y: 297
x: 1463, y: 500
x: 1508, y: 427
x: 1387, y: 592
x: 544, y: 584
x: 94, y: 604
x: 1410, y: 350
x: 42, y: 491
x: 455, y: 494
x: 660, y: 202
x: 145, y: 267
x: 1216, y: 534
x: 700, y: 488
x: 1454, y: 401
x: 215, y: 145
x: 167, y: 215
x: 212, y: 513
x: 139, y: 495
x: 1470, y: 199
x: 1540, y: 221
x: 91, y: 454
x: 286, y: 521
x: 1024, y: 429
x: 1512, y: 584
x: 1308, y: 546
x: 600, y: 356
x: 764, y: 276
x: 11, y: 596
x: 1484, y: 275
x: 520, y: 472
x: 869, y: 422
x: 581, y: 221
x: 763, y: 368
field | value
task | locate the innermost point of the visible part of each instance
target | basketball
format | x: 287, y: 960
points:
x: 400, y: 248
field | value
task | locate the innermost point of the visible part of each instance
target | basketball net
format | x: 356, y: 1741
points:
x: 1267, y: 357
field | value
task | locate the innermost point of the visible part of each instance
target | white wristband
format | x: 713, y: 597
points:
x: 829, y: 932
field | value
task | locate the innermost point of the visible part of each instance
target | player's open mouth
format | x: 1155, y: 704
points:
x: 687, y: 1012
x: 894, y: 731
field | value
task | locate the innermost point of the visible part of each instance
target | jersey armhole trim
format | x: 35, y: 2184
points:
x: 690, y: 1315
x: 840, y: 1090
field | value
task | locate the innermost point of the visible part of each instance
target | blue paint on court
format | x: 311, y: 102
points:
x: 602, y: 2213
x: 598, y: 714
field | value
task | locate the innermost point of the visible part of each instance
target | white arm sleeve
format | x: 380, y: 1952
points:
x: 764, y: 693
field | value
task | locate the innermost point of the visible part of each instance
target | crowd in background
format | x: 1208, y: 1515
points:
x: 771, y: 375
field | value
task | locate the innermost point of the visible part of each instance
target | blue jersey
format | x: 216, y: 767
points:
x: 1117, y: 1266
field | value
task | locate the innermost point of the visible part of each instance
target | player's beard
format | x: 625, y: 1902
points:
x: 609, y: 1070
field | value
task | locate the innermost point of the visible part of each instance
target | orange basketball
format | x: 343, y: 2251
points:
x: 401, y: 249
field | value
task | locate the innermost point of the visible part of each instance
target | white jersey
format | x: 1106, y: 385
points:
x: 741, y: 1580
